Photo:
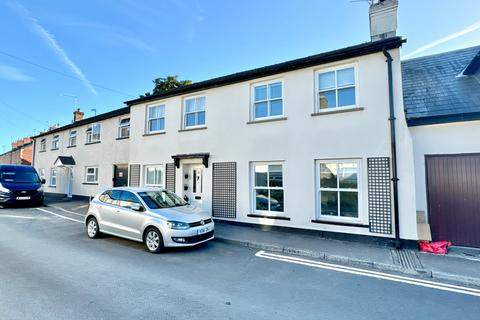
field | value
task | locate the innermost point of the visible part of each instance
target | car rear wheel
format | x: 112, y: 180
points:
x: 93, y: 231
x: 153, y: 240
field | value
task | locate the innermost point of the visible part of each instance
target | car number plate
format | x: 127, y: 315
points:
x: 23, y: 198
x: 203, y: 230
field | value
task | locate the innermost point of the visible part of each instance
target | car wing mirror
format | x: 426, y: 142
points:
x: 137, y: 207
x: 43, y: 181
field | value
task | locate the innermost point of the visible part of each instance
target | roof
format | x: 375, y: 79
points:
x: 65, y: 161
x: 336, y: 55
x: 436, y: 89
x: 100, y: 117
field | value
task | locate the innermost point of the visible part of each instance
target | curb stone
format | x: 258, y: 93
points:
x: 424, y: 273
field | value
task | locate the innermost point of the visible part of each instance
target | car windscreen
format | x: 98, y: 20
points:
x: 161, y: 199
x: 12, y: 176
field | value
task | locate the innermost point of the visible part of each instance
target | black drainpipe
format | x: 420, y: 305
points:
x: 393, y: 146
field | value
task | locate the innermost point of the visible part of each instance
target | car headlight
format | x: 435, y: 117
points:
x: 178, y: 225
x: 3, y: 189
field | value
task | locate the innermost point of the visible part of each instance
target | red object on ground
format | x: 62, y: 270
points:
x: 438, y: 247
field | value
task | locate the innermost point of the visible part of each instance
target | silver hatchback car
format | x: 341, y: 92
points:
x: 157, y: 217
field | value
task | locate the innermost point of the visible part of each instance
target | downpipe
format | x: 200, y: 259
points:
x: 393, y: 147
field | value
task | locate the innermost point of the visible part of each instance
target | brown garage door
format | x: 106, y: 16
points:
x: 453, y: 192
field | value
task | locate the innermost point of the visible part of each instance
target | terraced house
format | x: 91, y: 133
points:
x: 316, y: 143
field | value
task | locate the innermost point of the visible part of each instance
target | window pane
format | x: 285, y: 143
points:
x: 326, y: 80
x: 154, y: 125
x: 90, y: 170
x: 261, y: 199
x: 260, y: 93
x: 275, y: 90
x: 275, y: 176
x: 329, y: 203
x: 276, y: 108
x: 345, y: 77
x: 190, y: 120
x: 150, y: 176
x: 346, y: 97
x: 261, y: 175
x: 349, y: 204
x: 158, y: 176
x: 276, y: 200
x: 190, y: 105
x: 261, y: 109
x: 328, y: 99
x: 348, y: 175
x: 200, y: 104
x: 201, y: 118
x: 328, y: 175
x: 153, y: 112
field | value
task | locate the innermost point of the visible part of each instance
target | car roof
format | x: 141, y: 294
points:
x: 16, y: 167
x: 136, y: 189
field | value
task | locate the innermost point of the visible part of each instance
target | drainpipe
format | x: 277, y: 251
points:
x: 393, y: 146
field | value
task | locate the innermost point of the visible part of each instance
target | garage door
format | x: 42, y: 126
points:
x: 453, y: 193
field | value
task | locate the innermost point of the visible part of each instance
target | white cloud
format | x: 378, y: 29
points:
x: 435, y: 43
x: 52, y: 42
x: 14, y: 74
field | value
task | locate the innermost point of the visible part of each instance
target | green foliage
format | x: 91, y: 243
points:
x: 163, y: 85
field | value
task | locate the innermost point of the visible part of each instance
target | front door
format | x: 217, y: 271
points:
x: 120, y: 175
x: 194, y: 185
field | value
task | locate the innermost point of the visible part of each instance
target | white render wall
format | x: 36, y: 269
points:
x: 104, y: 155
x: 297, y: 141
x: 450, y: 138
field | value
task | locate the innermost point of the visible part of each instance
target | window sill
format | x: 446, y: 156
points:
x: 42, y: 151
x: 267, y: 120
x: 122, y: 138
x: 90, y: 183
x: 192, y: 129
x: 52, y: 186
x: 95, y: 142
x: 54, y: 149
x: 338, y: 223
x: 268, y: 217
x: 336, y: 110
x: 154, y: 133
x: 71, y: 146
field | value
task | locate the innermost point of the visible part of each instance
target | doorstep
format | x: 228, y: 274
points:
x: 372, y: 256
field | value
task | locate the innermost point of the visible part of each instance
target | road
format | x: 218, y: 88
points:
x: 49, y: 269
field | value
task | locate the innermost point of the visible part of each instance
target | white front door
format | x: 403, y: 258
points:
x: 194, y: 184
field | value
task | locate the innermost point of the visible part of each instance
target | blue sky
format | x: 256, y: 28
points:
x: 124, y: 44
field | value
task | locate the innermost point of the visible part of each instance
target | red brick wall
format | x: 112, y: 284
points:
x: 22, y: 155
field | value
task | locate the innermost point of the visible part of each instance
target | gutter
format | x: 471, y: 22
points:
x: 393, y: 147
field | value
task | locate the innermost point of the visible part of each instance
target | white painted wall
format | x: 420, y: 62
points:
x: 297, y: 141
x: 450, y: 138
x: 104, y: 155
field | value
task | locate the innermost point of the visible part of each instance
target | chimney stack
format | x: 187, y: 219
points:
x: 383, y: 19
x: 77, y: 115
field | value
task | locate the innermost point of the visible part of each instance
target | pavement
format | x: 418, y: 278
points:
x: 50, y: 269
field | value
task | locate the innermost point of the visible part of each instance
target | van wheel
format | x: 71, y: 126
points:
x: 153, y: 240
x: 93, y: 230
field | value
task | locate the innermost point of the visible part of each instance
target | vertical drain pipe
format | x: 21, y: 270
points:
x: 393, y: 146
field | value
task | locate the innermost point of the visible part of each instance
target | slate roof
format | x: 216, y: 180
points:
x: 436, y: 91
x: 66, y: 160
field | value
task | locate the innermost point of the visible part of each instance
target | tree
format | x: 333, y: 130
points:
x: 165, y: 84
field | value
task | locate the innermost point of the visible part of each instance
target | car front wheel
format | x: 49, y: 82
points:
x: 92, y: 228
x: 153, y: 240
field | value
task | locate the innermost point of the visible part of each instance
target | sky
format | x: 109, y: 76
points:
x: 102, y: 53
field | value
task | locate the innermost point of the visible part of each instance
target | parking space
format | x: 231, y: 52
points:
x: 48, y: 260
